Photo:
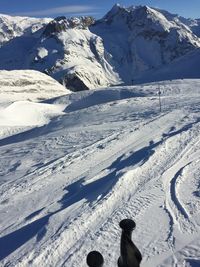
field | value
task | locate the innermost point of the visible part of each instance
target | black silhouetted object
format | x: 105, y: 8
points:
x: 130, y: 254
x: 95, y: 259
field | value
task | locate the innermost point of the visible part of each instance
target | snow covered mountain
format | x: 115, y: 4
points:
x: 82, y: 53
x: 193, y: 24
x: 141, y: 39
x: 12, y: 27
x: 186, y: 67
x: 71, y: 53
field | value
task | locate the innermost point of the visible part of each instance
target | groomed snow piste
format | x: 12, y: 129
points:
x: 95, y: 158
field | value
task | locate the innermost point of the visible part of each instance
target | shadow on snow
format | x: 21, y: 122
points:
x: 16, y: 239
x: 79, y: 191
x: 75, y: 192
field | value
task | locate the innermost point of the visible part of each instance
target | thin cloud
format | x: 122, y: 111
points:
x: 59, y: 10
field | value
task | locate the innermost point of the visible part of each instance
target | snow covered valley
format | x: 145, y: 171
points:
x: 77, y: 164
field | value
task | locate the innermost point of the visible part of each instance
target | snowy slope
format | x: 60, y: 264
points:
x: 28, y: 85
x: 184, y: 67
x: 142, y: 38
x: 193, y: 24
x: 83, y: 54
x: 18, y: 90
x: 15, y: 26
x: 72, y: 55
x: 110, y: 155
x: 66, y: 50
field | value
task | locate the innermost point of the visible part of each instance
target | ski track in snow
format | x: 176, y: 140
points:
x: 73, y: 180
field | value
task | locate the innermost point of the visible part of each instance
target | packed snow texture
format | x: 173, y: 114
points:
x: 120, y: 48
x: 28, y: 85
x: 111, y: 154
x: 25, y: 113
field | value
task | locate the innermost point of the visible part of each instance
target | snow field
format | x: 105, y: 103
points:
x: 104, y: 158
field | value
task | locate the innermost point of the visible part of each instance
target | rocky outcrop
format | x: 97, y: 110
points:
x: 73, y: 82
x: 61, y: 24
x: 55, y: 26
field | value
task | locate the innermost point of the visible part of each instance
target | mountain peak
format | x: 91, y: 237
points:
x: 55, y: 26
x: 126, y: 43
x: 137, y: 16
x: 116, y: 10
x: 61, y: 24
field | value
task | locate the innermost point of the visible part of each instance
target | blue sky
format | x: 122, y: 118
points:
x: 53, y: 8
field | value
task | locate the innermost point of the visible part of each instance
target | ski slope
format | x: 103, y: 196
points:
x: 69, y: 178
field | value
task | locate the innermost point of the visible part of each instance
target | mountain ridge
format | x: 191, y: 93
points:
x: 82, y: 53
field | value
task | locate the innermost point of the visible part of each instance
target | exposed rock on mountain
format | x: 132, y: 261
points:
x: 83, y: 54
x: 61, y: 24
x: 70, y: 53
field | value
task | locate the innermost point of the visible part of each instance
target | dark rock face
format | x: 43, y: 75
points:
x: 74, y: 82
x: 61, y: 24
x: 55, y: 26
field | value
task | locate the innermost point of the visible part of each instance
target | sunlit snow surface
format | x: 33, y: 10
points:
x: 110, y: 154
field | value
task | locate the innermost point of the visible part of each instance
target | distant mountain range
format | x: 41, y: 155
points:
x: 127, y: 46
